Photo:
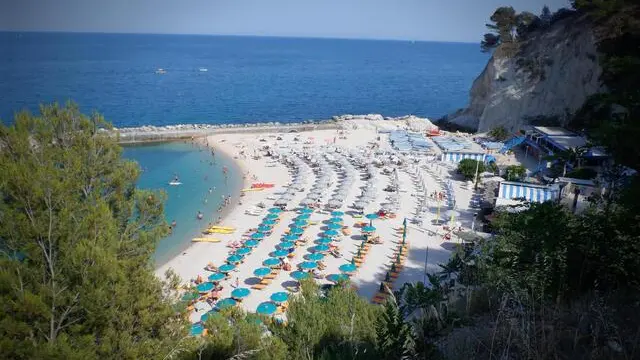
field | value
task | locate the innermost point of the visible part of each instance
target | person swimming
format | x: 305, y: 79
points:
x: 174, y: 223
x: 200, y: 215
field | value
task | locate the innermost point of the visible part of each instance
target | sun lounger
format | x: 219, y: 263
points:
x: 259, y: 286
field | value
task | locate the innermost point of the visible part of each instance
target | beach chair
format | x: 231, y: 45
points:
x: 379, y: 298
x: 259, y: 286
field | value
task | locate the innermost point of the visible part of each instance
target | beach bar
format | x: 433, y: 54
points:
x: 530, y: 192
x: 456, y: 148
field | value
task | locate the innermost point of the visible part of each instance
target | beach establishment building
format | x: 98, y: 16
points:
x: 543, y: 141
x: 509, y: 191
x: 456, y: 148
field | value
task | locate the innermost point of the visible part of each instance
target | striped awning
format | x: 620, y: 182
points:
x: 457, y: 156
x: 530, y: 192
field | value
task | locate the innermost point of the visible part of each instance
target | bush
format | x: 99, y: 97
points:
x: 582, y: 173
x: 515, y: 172
x: 467, y: 167
x: 499, y: 133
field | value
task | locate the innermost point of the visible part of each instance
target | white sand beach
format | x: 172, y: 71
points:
x: 330, y: 157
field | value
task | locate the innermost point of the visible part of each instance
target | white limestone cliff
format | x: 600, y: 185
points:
x: 552, y: 75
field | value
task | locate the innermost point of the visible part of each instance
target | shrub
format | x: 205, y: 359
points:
x: 499, y: 133
x: 467, y: 167
x: 582, y: 173
x: 515, y: 172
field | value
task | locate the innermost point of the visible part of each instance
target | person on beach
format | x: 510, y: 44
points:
x: 237, y: 282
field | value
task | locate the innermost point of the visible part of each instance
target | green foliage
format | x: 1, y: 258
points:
x: 515, y: 172
x: 582, y: 173
x: 499, y: 133
x: 85, y: 288
x: 395, y: 340
x: 467, y: 167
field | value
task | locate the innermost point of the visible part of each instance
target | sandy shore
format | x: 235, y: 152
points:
x: 427, y: 246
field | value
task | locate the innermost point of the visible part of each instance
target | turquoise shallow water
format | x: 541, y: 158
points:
x: 198, y: 171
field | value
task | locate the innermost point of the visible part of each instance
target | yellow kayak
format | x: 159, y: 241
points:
x: 219, y: 231
x: 252, y: 189
x: 228, y: 228
x: 210, y: 240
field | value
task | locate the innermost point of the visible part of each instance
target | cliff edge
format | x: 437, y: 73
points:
x: 551, y: 76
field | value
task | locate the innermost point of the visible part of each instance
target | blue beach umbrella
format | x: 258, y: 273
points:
x: 297, y: 231
x: 268, y: 222
x: 280, y: 253
x: 323, y: 241
x: 271, y: 262
x: 226, y: 303
x: 243, y: 251
x: 315, y: 256
x: 308, y: 265
x: 196, y: 329
x: 300, y: 223
x: 234, y: 259
x: 240, y: 293
x: 216, y: 276
x: 275, y: 210
x: 190, y: 296
x: 262, y: 272
x: 205, y: 287
x: 320, y: 248
x: 271, y: 216
x: 299, y: 275
x: 264, y: 228
x: 279, y: 297
x: 207, y: 315
x: 291, y: 237
x: 334, y: 226
x: 226, y: 268
x: 335, y: 220
x: 337, y: 277
x: 303, y: 217
x: 266, y: 308
x: 337, y: 213
x: 251, y: 243
x: 257, y: 236
x: 306, y: 210
x: 371, y: 216
x: 286, y: 245
x: 331, y: 233
x: 347, y: 268
x: 369, y: 229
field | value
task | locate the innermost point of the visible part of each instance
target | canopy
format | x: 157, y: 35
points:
x: 225, y: 303
x: 280, y: 253
x: 264, y: 228
x: 286, y: 245
x: 251, y: 243
x: 297, y: 231
x: 243, y: 251
x: 190, y: 296
x: 337, y: 277
x: 334, y: 226
x: 320, y: 248
x: 257, y: 236
x: 216, y: 276
x: 275, y: 210
x: 335, y: 220
x: 234, y: 259
x: 205, y: 287
x: 323, y: 241
x: 300, y: 223
x: 315, y: 256
x: 306, y: 210
x: 303, y: 216
x: 280, y: 297
x: 266, y: 308
x: 268, y: 222
x: 348, y: 268
x: 337, y: 213
x: 262, y: 272
x: 372, y: 216
x: 207, y: 315
x: 369, y: 229
x: 271, y: 216
x: 226, y: 268
x: 331, y: 233
x: 240, y: 293
x: 299, y: 275
x: 291, y: 237
x: 308, y: 265
x: 271, y: 262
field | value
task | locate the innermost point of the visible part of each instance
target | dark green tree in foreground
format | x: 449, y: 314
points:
x: 76, y: 242
x: 467, y: 167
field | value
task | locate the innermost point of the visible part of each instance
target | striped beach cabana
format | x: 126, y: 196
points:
x: 530, y: 192
x: 457, y: 156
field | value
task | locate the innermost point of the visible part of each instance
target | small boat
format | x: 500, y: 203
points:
x: 161, y: 71
x: 209, y: 240
x: 203, y: 69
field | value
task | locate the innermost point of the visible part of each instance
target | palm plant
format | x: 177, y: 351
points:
x: 394, y: 337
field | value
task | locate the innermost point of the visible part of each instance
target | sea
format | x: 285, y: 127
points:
x: 226, y: 79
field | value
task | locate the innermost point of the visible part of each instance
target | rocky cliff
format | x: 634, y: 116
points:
x: 552, y: 74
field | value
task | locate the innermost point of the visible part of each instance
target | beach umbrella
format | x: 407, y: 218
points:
x: 257, y: 236
x: 320, y: 248
x: 308, y: 265
x: 234, y: 259
x: 240, y: 293
x: 264, y: 228
x: 297, y: 231
x: 371, y: 216
x: 300, y: 223
x: 251, y: 243
x: 207, y: 315
x: 337, y: 213
x: 347, y: 268
x: 268, y: 223
x: 196, y: 329
x: 323, y: 241
x: 337, y: 277
x: 205, y: 287
x: 279, y: 297
x: 226, y: 268
x: 331, y: 233
x: 334, y: 226
x: 306, y: 210
x: 262, y: 272
x: 315, y: 256
x: 291, y: 237
x: 335, y: 220
x: 286, y: 245
x: 369, y: 229
x: 190, y: 296
x: 299, y: 275
x: 271, y: 216
x: 266, y: 308
x: 303, y: 216
x: 226, y: 303
x: 271, y: 262
x: 216, y: 276
x: 243, y: 251
x: 280, y: 253
x: 275, y: 210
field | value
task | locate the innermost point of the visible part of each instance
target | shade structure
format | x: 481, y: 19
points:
x: 268, y: 222
x: 226, y: 303
x: 337, y: 220
x: 279, y: 297
x: 207, y: 315
x: 334, y: 226
x: 240, y: 293
x: 226, y: 268
x: 291, y: 237
x: 337, y: 277
x: 264, y: 228
x: 369, y: 229
x: 216, y: 276
x: 315, y: 256
x: 306, y: 210
x: 190, y: 296
x: 347, y: 268
x: 266, y: 308
x: 320, y: 248
x: 205, y: 287
x: 196, y: 329
x: 308, y: 265
x: 271, y: 262
x: 299, y: 275
x: 243, y: 251
x: 274, y: 210
x: 251, y: 243
x: 331, y: 233
x: 337, y: 213
x: 300, y: 223
x: 257, y: 236
x: 323, y: 241
x: 286, y: 245
x: 271, y: 216
x: 372, y: 216
x: 262, y: 272
x: 297, y: 231
x: 303, y: 217
x: 234, y: 259
x: 280, y: 253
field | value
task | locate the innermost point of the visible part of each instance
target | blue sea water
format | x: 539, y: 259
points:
x: 249, y: 79
x: 199, y: 171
